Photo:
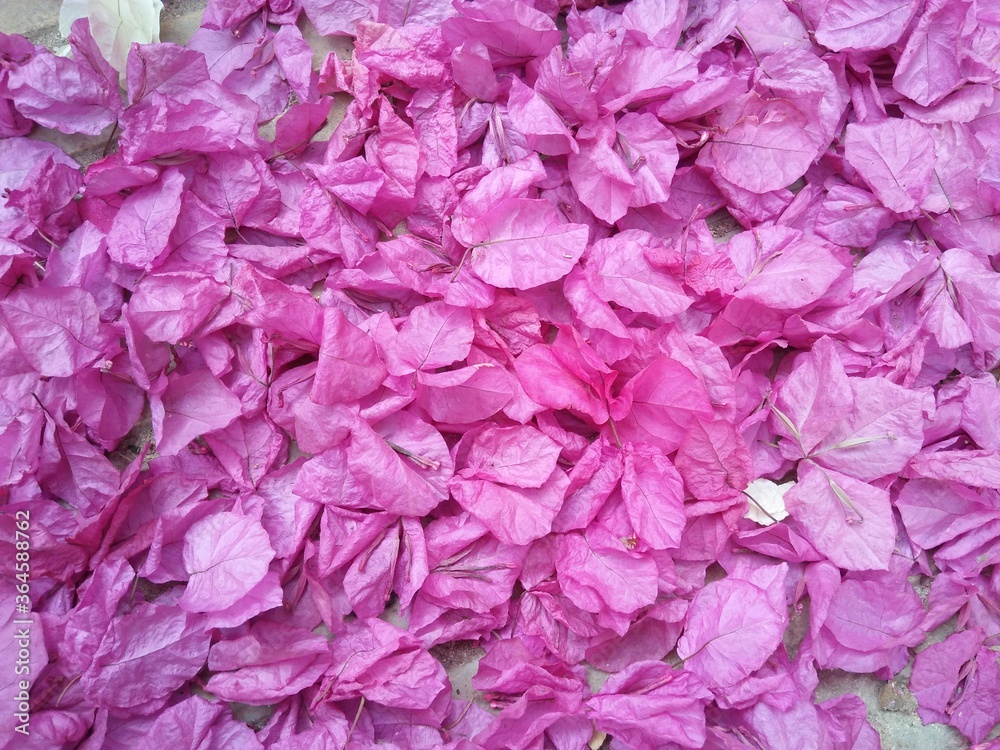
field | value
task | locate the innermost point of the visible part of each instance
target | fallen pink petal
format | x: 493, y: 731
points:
x: 500, y: 374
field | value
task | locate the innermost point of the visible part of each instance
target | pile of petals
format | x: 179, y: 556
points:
x: 453, y: 361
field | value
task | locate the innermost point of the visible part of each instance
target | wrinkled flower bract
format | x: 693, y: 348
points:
x: 638, y: 358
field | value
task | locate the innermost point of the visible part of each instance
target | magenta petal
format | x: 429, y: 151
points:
x: 732, y: 628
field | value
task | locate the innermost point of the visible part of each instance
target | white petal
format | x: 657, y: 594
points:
x: 115, y: 24
x: 768, y: 504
